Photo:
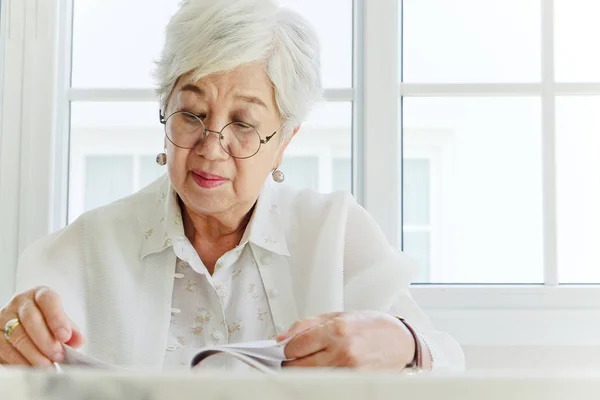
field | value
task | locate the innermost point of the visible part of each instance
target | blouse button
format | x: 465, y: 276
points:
x: 171, y: 347
x: 179, y: 275
x: 221, y: 291
x: 218, y: 335
x: 175, y: 310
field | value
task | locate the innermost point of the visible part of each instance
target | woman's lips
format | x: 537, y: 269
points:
x: 206, y: 180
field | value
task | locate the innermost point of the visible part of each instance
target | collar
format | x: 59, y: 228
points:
x: 164, y: 225
x: 266, y: 226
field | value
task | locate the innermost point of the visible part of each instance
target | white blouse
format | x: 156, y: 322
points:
x: 230, y: 306
x: 303, y: 254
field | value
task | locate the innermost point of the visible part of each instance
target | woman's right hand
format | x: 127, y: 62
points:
x: 44, y: 327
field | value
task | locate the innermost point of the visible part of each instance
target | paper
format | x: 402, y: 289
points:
x: 73, y: 357
x: 264, y: 355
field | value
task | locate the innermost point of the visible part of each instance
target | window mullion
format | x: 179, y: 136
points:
x: 549, y: 146
x: 381, y: 139
x: 37, y: 129
x: 60, y: 197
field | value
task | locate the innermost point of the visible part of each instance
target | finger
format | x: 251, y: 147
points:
x: 11, y: 356
x: 306, y: 324
x: 299, y: 326
x: 23, y: 343
x: 76, y: 340
x: 33, y: 322
x: 50, y: 304
x: 320, y: 359
x: 309, y: 342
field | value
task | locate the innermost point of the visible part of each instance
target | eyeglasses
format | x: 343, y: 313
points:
x: 238, y: 139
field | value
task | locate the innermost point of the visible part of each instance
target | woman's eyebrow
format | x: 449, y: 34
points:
x: 193, y: 88
x: 252, y: 100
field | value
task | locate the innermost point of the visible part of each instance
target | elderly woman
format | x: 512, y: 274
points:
x: 219, y: 250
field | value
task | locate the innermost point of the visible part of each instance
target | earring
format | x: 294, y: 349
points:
x: 278, y: 176
x: 161, y: 159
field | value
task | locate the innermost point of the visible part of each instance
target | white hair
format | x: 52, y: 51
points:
x: 206, y: 37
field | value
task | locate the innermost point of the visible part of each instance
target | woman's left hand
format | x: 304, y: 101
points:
x: 364, y: 340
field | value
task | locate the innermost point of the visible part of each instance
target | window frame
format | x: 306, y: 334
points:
x: 39, y: 52
x: 28, y: 83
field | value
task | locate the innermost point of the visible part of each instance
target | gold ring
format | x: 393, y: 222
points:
x: 10, y: 327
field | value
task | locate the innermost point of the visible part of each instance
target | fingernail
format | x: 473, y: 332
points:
x: 58, y: 357
x: 62, y: 334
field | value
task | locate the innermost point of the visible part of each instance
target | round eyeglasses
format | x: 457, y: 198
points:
x: 238, y: 139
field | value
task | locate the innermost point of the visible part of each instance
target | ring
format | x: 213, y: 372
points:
x: 10, y: 327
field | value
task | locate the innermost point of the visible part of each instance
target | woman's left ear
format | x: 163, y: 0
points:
x: 296, y: 129
x: 283, y: 147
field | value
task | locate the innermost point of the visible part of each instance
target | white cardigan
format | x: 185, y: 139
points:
x: 114, y: 268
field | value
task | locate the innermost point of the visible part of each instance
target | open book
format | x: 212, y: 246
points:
x: 264, y: 355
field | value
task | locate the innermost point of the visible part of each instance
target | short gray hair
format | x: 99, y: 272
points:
x: 214, y: 36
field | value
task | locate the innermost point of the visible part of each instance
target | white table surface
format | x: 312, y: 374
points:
x: 314, y: 385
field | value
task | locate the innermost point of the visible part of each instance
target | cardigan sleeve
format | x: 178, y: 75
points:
x: 376, y: 275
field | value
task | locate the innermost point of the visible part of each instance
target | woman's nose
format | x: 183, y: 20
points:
x: 210, y: 146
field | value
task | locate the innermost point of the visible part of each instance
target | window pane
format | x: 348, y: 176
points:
x: 302, y: 172
x: 333, y: 21
x: 576, y: 31
x: 115, y: 42
x: 325, y: 136
x: 108, y: 131
x: 123, y: 55
x: 149, y: 170
x: 416, y: 191
x: 578, y: 187
x: 485, y: 199
x: 107, y: 178
x: 471, y: 40
x: 342, y: 174
x: 416, y: 245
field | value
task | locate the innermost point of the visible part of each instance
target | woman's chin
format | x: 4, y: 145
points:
x: 213, y: 201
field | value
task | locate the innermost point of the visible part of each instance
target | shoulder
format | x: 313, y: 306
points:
x: 95, y: 228
x: 310, y: 203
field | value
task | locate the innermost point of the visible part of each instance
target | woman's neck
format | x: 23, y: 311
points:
x: 213, y: 236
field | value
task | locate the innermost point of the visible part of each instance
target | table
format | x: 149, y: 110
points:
x: 314, y: 385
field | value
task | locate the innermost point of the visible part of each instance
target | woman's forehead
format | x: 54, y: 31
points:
x: 195, y: 92
x: 248, y: 83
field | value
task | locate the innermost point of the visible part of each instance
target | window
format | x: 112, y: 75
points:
x: 487, y: 77
x: 490, y: 184
x: 442, y: 47
x: 322, y: 140
x: 417, y: 209
x: 578, y: 165
x: 117, y: 174
x: 576, y: 27
x: 111, y: 146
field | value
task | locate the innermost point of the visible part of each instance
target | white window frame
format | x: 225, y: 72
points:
x: 27, y: 128
x: 34, y: 166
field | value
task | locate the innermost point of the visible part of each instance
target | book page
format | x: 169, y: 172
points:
x: 267, y: 353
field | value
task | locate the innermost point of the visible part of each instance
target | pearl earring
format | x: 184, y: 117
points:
x: 278, y: 176
x: 161, y: 159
